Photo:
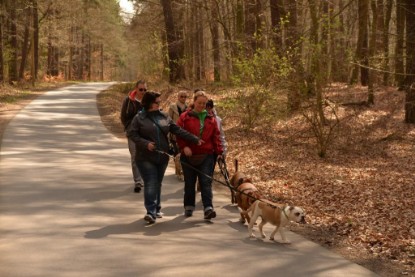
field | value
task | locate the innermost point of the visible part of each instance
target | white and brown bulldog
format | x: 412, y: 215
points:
x: 275, y: 214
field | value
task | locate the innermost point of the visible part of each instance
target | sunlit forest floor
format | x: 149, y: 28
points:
x: 359, y: 199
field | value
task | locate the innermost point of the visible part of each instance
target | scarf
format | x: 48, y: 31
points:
x: 202, y: 115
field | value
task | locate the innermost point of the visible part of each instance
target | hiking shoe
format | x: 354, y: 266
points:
x: 188, y: 213
x: 159, y: 215
x: 209, y: 214
x: 150, y: 219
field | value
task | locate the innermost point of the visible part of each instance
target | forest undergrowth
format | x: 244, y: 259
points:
x: 360, y: 198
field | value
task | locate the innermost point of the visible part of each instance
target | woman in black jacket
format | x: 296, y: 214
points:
x: 149, y: 130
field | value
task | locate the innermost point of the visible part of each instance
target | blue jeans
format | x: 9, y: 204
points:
x: 190, y: 177
x: 152, y: 175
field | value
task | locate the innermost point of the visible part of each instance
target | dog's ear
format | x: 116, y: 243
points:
x: 291, y: 208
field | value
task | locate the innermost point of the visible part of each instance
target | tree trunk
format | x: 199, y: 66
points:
x: 88, y: 59
x: 386, y: 25
x: 362, y: 45
x: 35, y: 52
x: 12, y: 63
x: 292, y: 32
x: 197, y: 44
x: 292, y: 39
x: 25, y: 45
x: 372, y: 52
x: 174, y: 45
x: 250, y: 28
x: 101, y: 62
x: 410, y: 105
x: 400, y: 31
x: 2, y: 9
x: 410, y: 43
x: 277, y: 13
x: 71, y: 53
x: 316, y: 60
x: 215, y: 41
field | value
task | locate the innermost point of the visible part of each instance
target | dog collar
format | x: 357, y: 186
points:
x: 283, y: 210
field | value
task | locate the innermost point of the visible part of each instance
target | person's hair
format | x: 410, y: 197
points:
x: 182, y: 92
x: 140, y: 82
x: 149, y: 98
x: 199, y: 93
x: 209, y: 103
x: 198, y: 89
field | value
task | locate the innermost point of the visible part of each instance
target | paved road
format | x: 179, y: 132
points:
x: 67, y: 209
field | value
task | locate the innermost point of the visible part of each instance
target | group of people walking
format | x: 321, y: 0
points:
x: 196, y: 132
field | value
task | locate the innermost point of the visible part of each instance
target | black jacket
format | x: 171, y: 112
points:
x: 154, y: 126
x: 129, y: 109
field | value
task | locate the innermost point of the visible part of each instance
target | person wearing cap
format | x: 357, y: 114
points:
x: 130, y: 107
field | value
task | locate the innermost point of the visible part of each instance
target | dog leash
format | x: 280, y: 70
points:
x: 224, y: 171
x: 226, y: 176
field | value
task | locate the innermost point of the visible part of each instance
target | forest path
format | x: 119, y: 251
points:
x: 67, y: 209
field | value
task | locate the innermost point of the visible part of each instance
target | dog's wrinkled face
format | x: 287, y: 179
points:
x: 297, y: 214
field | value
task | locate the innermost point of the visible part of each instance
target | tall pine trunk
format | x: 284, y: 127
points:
x: 175, y: 49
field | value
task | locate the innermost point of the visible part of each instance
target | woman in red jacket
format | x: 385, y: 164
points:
x: 198, y: 161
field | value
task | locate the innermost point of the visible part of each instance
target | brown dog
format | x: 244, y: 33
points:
x: 237, y: 179
x: 246, y: 194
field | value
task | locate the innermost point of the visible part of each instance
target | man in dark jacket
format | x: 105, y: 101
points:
x: 130, y: 107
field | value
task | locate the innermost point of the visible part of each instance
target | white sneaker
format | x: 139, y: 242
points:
x: 159, y: 215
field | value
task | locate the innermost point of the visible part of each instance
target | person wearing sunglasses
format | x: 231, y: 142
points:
x: 130, y: 107
x: 149, y: 130
x: 175, y: 110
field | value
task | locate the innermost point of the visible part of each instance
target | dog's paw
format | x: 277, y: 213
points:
x: 242, y: 220
x: 271, y: 239
x: 286, y: 242
x: 252, y: 236
x: 263, y: 236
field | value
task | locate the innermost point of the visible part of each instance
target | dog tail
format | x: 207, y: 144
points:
x: 236, y: 165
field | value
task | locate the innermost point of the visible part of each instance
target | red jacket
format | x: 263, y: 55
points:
x: 189, y: 121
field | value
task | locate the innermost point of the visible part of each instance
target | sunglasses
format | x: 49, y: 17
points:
x: 142, y: 89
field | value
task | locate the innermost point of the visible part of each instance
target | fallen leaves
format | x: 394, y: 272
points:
x: 362, y: 194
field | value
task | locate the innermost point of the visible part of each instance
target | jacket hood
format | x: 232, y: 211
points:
x: 132, y: 95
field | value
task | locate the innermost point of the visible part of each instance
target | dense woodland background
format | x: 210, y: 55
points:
x: 290, y: 47
x: 284, y: 54
x: 294, y: 81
